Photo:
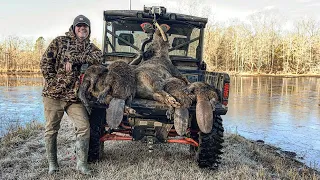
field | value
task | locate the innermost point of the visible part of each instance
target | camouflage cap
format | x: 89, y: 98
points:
x: 81, y: 19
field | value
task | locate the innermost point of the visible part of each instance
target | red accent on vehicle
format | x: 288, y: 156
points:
x: 146, y: 26
x: 226, y: 91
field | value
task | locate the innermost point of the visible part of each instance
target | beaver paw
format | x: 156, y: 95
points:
x: 171, y: 101
x: 129, y: 110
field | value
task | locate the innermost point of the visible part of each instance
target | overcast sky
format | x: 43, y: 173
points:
x: 34, y: 18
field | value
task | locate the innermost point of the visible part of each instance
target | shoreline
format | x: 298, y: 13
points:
x: 22, y: 156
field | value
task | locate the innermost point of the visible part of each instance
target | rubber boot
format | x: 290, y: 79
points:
x: 51, y: 149
x: 82, y: 148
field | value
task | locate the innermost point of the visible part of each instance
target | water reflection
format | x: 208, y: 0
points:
x: 21, y: 80
x: 282, y: 111
x: 20, y: 100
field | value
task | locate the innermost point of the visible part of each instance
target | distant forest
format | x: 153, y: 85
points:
x: 261, y: 46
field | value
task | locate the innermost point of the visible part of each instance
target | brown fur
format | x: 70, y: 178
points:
x: 177, y: 88
x: 120, y: 82
x: 116, y: 80
x: 206, y: 98
x: 203, y: 94
x: 114, y: 85
x: 151, y: 75
x: 93, y: 75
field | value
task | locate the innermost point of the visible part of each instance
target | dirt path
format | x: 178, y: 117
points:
x: 23, y: 157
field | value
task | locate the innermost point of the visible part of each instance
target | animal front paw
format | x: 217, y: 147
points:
x: 129, y: 110
x: 171, y: 101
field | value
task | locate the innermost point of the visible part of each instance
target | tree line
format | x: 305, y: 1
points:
x: 261, y: 46
x: 20, y: 55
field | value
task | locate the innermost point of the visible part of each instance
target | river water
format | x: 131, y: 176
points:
x: 284, y: 112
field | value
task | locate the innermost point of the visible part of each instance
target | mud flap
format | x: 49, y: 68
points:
x: 204, y: 116
x: 181, y: 118
x: 114, y: 114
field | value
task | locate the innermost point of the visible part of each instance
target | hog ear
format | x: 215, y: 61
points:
x: 146, y: 27
x: 165, y: 27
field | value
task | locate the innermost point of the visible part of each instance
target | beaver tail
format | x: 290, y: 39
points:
x: 204, y: 116
x: 114, y: 114
x: 181, y: 119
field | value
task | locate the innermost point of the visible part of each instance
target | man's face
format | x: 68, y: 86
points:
x: 82, y: 31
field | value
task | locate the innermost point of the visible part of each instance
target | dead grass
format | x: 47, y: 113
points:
x: 17, y: 133
x: 242, y: 159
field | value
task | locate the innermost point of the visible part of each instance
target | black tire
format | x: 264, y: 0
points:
x: 208, y: 154
x: 97, y: 124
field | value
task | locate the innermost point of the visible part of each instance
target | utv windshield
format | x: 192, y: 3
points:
x: 184, y: 38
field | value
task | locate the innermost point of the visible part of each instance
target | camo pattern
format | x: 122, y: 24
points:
x: 60, y: 84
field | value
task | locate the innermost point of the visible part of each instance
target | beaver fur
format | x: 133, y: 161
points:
x: 177, y: 88
x: 151, y: 75
x: 114, y: 85
x: 203, y: 94
x: 206, y: 98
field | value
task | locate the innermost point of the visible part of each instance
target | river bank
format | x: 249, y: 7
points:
x: 22, y: 156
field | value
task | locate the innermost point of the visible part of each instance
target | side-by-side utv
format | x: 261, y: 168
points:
x: 124, y: 39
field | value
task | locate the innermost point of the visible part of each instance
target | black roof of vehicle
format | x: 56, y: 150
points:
x: 137, y: 15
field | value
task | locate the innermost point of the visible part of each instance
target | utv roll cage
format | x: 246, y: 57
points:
x: 130, y: 20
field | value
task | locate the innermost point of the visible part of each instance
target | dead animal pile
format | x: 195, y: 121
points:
x: 153, y: 74
x: 114, y: 85
x: 158, y: 79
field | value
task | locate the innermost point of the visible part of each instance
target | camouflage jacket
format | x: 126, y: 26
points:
x: 60, y: 84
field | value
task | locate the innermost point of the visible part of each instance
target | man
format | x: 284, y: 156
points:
x: 60, y: 65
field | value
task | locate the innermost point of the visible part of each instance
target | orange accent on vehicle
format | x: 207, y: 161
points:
x: 184, y: 141
x: 110, y: 137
